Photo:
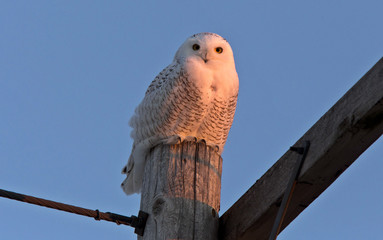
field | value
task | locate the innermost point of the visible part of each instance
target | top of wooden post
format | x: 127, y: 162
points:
x: 181, y: 191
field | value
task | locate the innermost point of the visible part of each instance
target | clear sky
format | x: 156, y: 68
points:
x: 72, y: 72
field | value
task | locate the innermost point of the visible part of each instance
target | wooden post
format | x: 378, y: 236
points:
x: 181, y: 192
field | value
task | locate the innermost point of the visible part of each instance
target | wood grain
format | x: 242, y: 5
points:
x: 339, y: 137
x: 181, y: 192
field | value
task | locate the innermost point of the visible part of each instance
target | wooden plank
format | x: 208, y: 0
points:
x: 338, y: 138
x: 181, y: 192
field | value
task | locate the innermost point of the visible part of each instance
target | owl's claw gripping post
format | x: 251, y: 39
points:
x: 190, y: 139
x: 175, y: 139
x: 216, y: 148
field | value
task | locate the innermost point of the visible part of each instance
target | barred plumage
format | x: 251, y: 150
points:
x: 195, y: 96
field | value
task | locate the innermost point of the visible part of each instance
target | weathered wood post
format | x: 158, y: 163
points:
x: 181, y: 192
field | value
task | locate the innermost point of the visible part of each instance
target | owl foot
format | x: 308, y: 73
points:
x: 216, y: 148
x: 190, y: 139
x: 175, y: 139
x: 212, y: 145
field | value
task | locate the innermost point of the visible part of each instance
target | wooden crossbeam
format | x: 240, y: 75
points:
x: 337, y: 139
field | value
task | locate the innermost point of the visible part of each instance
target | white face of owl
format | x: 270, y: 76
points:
x: 206, y: 47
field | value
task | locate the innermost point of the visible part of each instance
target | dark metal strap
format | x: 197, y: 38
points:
x: 289, y: 190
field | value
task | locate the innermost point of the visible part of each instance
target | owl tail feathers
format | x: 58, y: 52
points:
x: 134, y: 171
x: 129, y: 187
x: 133, y: 181
x: 136, y: 165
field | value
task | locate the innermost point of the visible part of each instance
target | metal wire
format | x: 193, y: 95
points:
x: 136, y: 222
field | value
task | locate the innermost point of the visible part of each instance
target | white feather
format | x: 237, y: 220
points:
x: 195, y: 95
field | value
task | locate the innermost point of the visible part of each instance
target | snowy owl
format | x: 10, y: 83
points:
x: 194, y: 97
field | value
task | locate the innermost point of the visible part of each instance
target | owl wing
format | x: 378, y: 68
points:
x: 156, y: 114
x: 171, y: 106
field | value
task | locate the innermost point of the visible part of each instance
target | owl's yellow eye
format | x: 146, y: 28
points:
x: 219, y: 50
x: 196, y: 47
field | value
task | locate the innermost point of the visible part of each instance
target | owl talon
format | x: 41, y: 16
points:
x: 175, y: 139
x: 216, y: 148
x: 190, y: 139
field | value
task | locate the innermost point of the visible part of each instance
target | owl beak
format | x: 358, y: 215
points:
x: 204, y: 58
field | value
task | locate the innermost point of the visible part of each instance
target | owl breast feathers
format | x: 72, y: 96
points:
x: 195, y: 96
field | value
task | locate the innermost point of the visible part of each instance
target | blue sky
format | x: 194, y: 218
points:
x: 72, y: 72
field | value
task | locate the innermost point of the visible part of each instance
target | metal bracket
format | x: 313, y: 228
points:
x: 289, y: 190
x: 137, y: 222
x: 140, y: 224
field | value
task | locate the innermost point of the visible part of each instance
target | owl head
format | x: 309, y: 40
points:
x: 206, y: 47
